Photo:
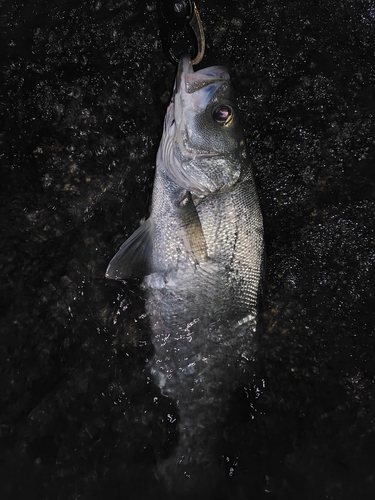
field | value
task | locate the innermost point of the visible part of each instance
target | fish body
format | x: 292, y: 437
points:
x: 201, y: 252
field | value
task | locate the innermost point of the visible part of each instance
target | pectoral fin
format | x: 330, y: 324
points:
x: 135, y: 255
x: 191, y: 228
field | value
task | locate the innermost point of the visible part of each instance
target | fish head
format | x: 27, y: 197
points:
x: 203, y: 145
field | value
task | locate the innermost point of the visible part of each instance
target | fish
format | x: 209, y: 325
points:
x: 201, y: 256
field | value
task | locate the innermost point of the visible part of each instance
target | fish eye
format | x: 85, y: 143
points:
x: 223, y: 114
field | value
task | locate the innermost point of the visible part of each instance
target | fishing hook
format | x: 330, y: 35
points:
x: 180, y: 14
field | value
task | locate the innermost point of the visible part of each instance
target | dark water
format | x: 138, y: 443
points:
x: 84, y: 91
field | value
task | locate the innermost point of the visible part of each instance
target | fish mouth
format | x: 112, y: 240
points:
x: 189, y: 81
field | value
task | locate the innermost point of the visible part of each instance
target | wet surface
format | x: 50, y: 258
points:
x: 84, y: 90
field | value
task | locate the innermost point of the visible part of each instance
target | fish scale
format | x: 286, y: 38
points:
x: 201, y: 255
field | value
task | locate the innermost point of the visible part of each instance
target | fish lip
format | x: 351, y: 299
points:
x: 184, y: 68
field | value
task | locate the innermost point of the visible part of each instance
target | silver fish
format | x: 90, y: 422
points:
x: 201, y: 252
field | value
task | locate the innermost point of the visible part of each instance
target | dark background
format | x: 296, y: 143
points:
x: 84, y: 90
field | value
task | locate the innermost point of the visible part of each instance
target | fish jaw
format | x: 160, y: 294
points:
x: 199, y: 154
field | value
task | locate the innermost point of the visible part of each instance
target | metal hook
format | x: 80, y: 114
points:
x: 180, y: 14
